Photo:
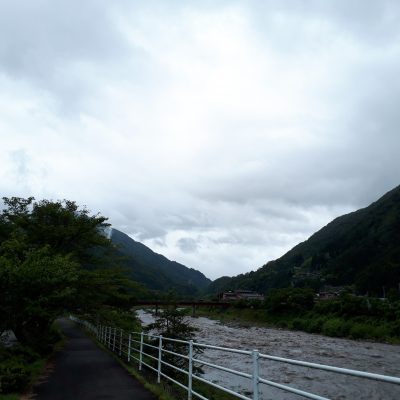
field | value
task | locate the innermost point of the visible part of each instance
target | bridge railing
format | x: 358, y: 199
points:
x: 150, y: 350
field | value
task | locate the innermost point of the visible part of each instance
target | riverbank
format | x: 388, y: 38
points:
x: 343, y: 353
x: 370, y: 329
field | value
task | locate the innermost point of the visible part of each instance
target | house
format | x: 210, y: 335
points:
x: 242, y: 295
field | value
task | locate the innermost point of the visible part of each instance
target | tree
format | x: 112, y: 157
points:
x: 289, y: 300
x: 62, y: 225
x: 36, y: 291
x: 54, y: 258
x: 172, y: 324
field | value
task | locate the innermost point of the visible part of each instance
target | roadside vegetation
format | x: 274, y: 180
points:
x: 346, y: 316
x: 54, y: 260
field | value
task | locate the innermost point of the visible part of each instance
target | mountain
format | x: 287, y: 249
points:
x: 154, y: 270
x: 361, y: 249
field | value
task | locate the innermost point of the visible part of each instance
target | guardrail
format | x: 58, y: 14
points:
x: 138, y: 346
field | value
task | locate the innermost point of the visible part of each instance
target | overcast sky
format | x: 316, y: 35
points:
x: 219, y: 133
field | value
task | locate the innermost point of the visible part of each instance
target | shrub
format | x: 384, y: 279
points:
x: 315, y: 325
x: 298, y: 324
x: 379, y: 332
x: 359, y: 331
x: 17, y: 364
x: 335, y: 327
x: 14, y: 376
x: 394, y: 329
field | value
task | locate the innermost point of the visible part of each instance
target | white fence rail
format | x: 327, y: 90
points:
x: 137, y: 346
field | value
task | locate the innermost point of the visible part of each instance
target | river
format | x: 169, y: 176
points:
x: 360, y: 355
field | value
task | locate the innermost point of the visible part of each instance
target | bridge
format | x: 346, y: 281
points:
x: 185, y: 303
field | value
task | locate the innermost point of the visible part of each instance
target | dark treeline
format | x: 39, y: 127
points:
x: 347, y: 315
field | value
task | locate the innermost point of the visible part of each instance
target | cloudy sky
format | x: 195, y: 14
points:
x: 219, y: 133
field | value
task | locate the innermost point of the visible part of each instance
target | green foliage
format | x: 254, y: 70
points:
x: 61, y: 225
x: 51, y: 262
x: 14, y: 375
x: 114, y: 316
x: 36, y: 290
x: 289, y: 300
x: 171, y: 324
x: 335, y: 327
x: 359, y: 331
x: 9, y: 396
x: 345, y: 316
x: 17, y: 366
x: 54, y: 259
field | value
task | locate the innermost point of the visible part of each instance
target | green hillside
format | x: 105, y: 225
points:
x: 361, y: 249
x: 156, y: 271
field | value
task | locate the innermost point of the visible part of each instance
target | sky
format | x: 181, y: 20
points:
x: 218, y: 133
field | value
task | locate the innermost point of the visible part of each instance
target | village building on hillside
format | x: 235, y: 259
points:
x: 242, y: 295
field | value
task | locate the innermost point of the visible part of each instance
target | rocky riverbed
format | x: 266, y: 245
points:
x: 365, y: 356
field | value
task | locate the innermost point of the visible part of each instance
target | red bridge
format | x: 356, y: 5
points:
x: 186, y: 303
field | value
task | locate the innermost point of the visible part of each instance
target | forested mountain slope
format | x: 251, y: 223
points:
x: 156, y: 271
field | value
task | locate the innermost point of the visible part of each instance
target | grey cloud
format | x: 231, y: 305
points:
x: 292, y: 24
x: 187, y: 245
x: 57, y: 46
x: 38, y: 38
x: 248, y: 183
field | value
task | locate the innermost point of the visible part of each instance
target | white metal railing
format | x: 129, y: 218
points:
x: 136, y: 345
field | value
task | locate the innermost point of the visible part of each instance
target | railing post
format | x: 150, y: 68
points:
x: 141, y: 351
x: 256, y: 376
x: 120, y: 342
x: 190, y: 370
x: 159, y: 359
x: 109, y: 337
x: 115, y: 337
x: 129, y: 347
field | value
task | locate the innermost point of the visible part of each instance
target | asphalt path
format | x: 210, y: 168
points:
x: 82, y: 371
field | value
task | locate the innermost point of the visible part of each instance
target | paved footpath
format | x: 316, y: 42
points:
x: 82, y: 371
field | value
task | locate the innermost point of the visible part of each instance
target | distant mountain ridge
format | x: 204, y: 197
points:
x: 154, y: 270
x: 361, y: 249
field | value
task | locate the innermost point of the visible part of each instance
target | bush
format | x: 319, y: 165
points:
x: 359, y: 331
x: 21, y: 352
x: 394, y: 329
x: 315, y: 325
x: 289, y: 300
x: 16, y: 367
x: 335, y: 327
x: 111, y: 316
x: 14, y: 376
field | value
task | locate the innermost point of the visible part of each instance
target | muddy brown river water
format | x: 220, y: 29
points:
x: 365, y: 356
